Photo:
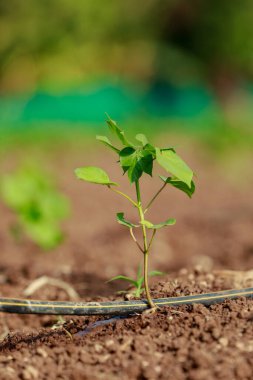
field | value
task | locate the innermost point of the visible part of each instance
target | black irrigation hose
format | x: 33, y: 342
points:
x: 12, y: 305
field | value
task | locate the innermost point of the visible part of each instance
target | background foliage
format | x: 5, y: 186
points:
x: 62, y: 42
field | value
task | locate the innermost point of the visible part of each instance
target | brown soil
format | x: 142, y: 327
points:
x: 213, y: 234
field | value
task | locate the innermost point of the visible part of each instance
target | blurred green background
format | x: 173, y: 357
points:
x: 156, y: 66
x: 67, y: 62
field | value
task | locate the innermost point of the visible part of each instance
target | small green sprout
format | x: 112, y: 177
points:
x: 137, y: 159
x: 138, y: 283
x: 38, y: 206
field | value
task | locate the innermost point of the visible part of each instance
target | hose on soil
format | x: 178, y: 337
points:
x: 19, y: 306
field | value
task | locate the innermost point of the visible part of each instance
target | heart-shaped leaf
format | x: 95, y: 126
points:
x: 127, y: 157
x: 173, y: 164
x: 123, y: 221
x: 179, y: 185
x: 94, y: 175
x: 107, y: 142
x: 146, y: 162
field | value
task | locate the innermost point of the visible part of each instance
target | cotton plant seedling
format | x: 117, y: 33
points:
x: 137, y: 159
x: 137, y: 283
x: 37, y: 204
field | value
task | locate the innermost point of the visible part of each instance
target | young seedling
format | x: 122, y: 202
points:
x: 136, y: 160
x: 38, y: 205
x: 138, y: 283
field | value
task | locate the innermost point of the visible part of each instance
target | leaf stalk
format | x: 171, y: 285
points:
x: 154, y: 197
x: 124, y: 195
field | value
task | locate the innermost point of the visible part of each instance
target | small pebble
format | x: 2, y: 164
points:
x: 223, y: 341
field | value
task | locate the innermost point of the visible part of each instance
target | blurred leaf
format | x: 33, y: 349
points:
x: 39, y: 207
x: 173, y: 164
x: 156, y: 273
x: 139, y: 272
x: 19, y: 188
x: 46, y: 235
x: 124, y: 278
x: 54, y: 207
x: 180, y: 185
x: 94, y: 175
x: 138, y: 291
x: 142, y: 138
x: 107, y: 142
x: 121, y: 220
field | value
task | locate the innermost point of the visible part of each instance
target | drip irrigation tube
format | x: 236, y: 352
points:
x: 19, y: 306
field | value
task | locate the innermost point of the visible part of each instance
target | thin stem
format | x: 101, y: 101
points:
x: 144, y: 233
x: 145, y: 243
x: 150, y: 301
x: 154, y: 197
x: 124, y: 195
x: 151, y: 240
x: 135, y: 240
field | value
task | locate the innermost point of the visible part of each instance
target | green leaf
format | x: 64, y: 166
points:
x: 46, y: 235
x: 54, y: 207
x: 135, y: 171
x: 139, y: 272
x: 146, y: 162
x: 94, y: 175
x: 121, y: 220
x: 107, y: 142
x: 173, y: 164
x: 150, y: 225
x: 155, y: 273
x: 180, y: 185
x: 147, y: 224
x: 169, y: 222
x: 136, y: 161
x: 138, y: 291
x: 140, y: 282
x: 142, y: 138
x: 117, y: 131
x: 124, y: 278
x: 151, y: 150
x: 164, y: 149
x: 38, y: 206
x: 127, y: 157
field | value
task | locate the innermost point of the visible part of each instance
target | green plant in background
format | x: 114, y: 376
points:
x: 138, y: 283
x: 38, y: 206
x: 136, y: 160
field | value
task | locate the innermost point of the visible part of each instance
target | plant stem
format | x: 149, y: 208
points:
x: 145, y: 244
x: 135, y: 240
x: 124, y: 195
x: 154, y: 197
x: 151, y: 240
x: 150, y: 301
